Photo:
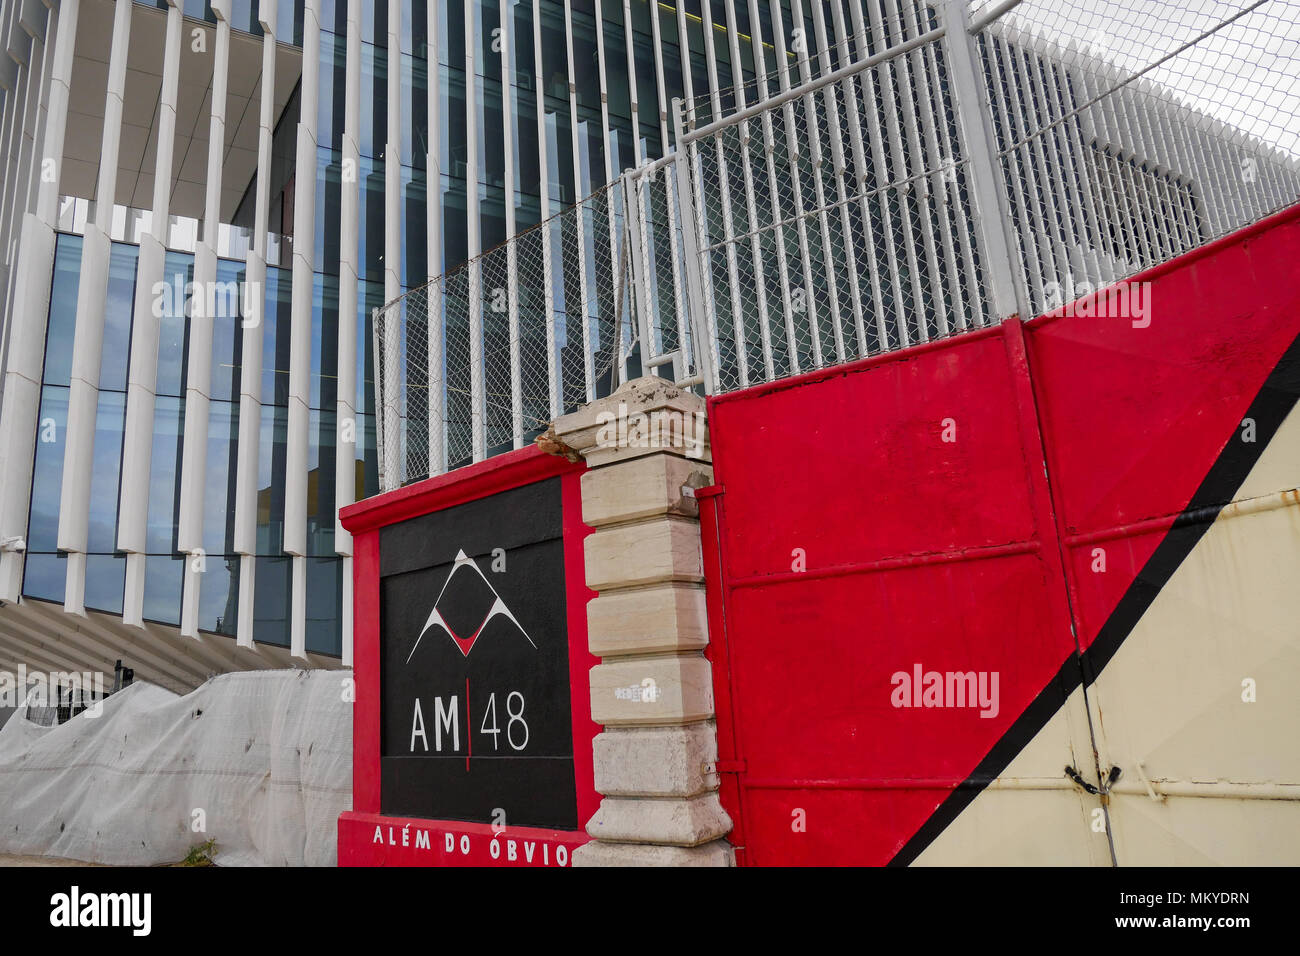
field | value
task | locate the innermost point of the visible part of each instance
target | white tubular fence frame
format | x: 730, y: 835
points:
x: 953, y: 165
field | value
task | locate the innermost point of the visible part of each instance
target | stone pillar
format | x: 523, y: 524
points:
x: 647, y: 450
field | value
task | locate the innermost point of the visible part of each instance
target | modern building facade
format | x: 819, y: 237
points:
x: 202, y: 204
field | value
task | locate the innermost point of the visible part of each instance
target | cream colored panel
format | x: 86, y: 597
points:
x: 1219, y: 777
x: 1172, y: 697
x: 1013, y: 824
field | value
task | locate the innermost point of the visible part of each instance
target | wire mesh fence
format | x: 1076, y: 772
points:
x: 836, y: 217
x: 483, y: 358
x: 1129, y: 134
x: 898, y: 171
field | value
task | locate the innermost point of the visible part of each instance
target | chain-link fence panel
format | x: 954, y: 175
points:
x: 896, y: 172
x: 481, y: 359
x: 834, y: 215
x: 1128, y: 134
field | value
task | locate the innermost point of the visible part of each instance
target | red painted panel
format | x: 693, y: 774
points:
x: 845, y: 460
x: 950, y: 555
x: 1134, y: 415
x: 921, y: 554
x: 815, y: 700
x: 365, y: 670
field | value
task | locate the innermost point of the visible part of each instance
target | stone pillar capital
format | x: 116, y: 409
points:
x: 645, y: 416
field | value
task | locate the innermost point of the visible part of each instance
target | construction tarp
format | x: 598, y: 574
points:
x: 259, y: 761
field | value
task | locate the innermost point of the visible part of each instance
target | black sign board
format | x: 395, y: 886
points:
x: 477, y: 720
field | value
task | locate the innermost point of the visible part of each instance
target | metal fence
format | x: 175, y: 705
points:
x: 1127, y: 134
x: 924, y: 170
x: 837, y: 217
x: 480, y: 359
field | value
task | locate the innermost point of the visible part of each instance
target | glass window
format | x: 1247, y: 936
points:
x: 105, y: 582
x: 492, y: 216
x: 288, y: 26
x: 616, y: 80
x: 333, y: 88
x: 44, y: 576
x: 228, y: 331
x: 219, y: 478
x: 324, y: 606
x: 367, y: 480
x: 164, y: 475
x: 163, y: 585
x: 455, y: 241
x: 323, y: 381
x: 374, y: 99
x: 119, y: 307
x: 273, y: 579
x: 487, y: 31
x: 451, y: 34
x: 105, y: 476
x: 559, y: 156
x: 47, y: 474
x: 275, y: 337
x: 525, y: 63
x: 370, y: 296
x: 414, y: 207
x: 526, y: 160
x: 647, y: 94
x: 243, y: 16
x: 219, y: 595
x: 271, y: 479
x: 415, y: 111
x: 329, y: 209
x: 63, y: 311
x: 322, y: 436
x: 374, y: 22
x: 333, y: 16
x: 491, y: 133
x: 173, y: 326
x: 415, y: 30
x: 370, y: 253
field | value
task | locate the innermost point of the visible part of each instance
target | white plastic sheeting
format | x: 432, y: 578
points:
x: 262, y: 759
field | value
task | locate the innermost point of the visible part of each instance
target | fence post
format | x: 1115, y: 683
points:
x: 993, y: 222
x: 640, y: 301
x: 701, y: 341
x: 435, y: 379
x: 381, y: 416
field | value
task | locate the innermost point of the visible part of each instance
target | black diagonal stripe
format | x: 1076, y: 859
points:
x: 1049, y: 700
x: 1275, y: 400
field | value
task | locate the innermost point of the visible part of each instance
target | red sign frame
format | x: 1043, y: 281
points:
x: 369, y: 838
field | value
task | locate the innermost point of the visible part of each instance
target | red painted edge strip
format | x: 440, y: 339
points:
x: 581, y: 660
x: 488, y: 477
x: 368, y: 839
